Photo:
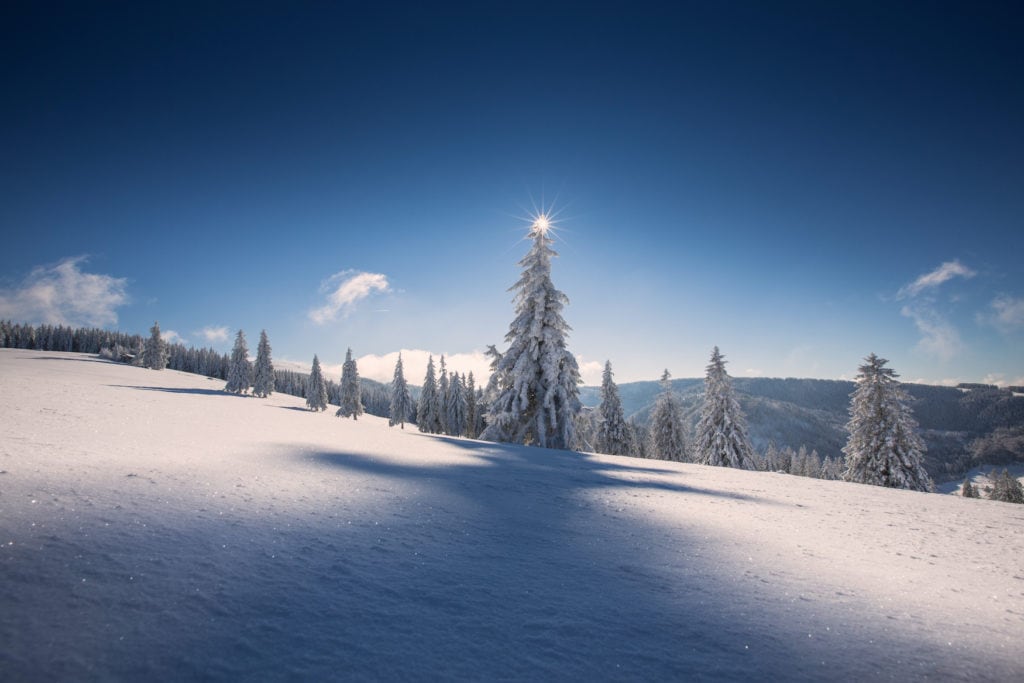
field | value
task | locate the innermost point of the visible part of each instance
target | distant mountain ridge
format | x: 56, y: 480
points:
x: 962, y: 427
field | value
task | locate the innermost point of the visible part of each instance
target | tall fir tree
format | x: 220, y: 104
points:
x: 240, y: 368
x: 401, y: 402
x: 155, y: 353
x: 316, y: 388
x: 427, y: 418
x: 263, y: 372
x: 667, y: 436
x: 721, y: 437
x: 884, y: 448
x: 612, y: 431
x: 538, y: 376
x: 471, y: 406
x: 443, y: 393
x: 350, y: 399
x: 455, y: 407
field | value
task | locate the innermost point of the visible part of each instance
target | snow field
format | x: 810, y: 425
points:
x: 152, y: 526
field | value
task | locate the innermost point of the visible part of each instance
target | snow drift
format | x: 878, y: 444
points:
x: 153, y: 526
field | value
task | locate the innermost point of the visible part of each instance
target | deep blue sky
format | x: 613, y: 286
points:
x: 772, y: 178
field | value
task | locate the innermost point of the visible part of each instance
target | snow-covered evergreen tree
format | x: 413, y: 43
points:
x: 1006, y: 488
x: 721, y: 436
x: 443, y: 394
x: 832, y: 468
x: 480, y: 425
x: 969, y: 490
x: 668, y: 440
x: 538, y: 376
x: 240, y: 368
x: 263, y: 372
x: 586, y: 429
x: 612, y: 432
x: 155, y: 353
x: 884, y: 447
x: 401, y: 402
x: 427, y: 418
x: 316, y: 388
x: 455, y: 407
x: 350, y: 397
x: 638, y: 442
x: 471, y: 406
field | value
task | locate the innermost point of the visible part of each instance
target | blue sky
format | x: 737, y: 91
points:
x: 799, y: 183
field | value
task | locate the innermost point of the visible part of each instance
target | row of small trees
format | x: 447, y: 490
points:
x: 448, y: 404
x: 1003, y: 487
x: 350, y: 402
x: 884, y: 447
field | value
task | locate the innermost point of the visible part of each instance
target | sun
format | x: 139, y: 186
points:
x: 542, y: 224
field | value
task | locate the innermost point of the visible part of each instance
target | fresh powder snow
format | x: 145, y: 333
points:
x: 153, y: 526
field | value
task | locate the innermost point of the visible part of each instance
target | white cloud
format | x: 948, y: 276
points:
x: 947, y: 382
x: 215, y: 334
x: 938, y: 336
x: 344, y: 290
x: 381, y: 367
x: 753, y: 372
x: 947, y: 271
x: 172, y: 337
x: 591, y: 371
x: 1007, y: 313
x: 414, y: 365
x: 63, y: 294
x: 996, y: 378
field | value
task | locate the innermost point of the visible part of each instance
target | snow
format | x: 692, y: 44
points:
x: 153, y: 526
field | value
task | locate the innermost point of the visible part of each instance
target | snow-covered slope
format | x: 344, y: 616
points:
x: 152, y: 526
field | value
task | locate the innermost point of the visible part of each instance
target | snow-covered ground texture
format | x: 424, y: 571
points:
x: 153, y: 527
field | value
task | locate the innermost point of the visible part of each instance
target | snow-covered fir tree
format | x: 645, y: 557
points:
x: 638, y: 441
x: 155, y: 353
x: 481, y: 414
x: 263, y: 372
x: 350, y: 397
x: 884, y: 447
x: 721, y: 437
x: 401, y: 402
x: 427, y: 418
x: 455, y: 407
x: 585, y: 426
x: 316, y: 388
x: 969, y: 490
x: 443, y: 391
x: 471, y: 406
x: 497, y: 383
x: 1006, y: 488
x: 538, y: 376
x: 667, y: 437
x: 612, y: 432
x: 240, y: 368
x: 832, y: 468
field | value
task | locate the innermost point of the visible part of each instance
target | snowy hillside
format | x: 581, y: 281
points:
x: 152, y: 526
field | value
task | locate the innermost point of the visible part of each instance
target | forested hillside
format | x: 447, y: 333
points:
x: 963, y: 427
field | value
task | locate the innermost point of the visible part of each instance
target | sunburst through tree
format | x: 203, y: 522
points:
x: 537, y: 378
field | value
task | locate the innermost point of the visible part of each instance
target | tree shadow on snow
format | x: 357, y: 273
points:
x: 180, y: 390
x: 84, y: 359
x: 520, y: 563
